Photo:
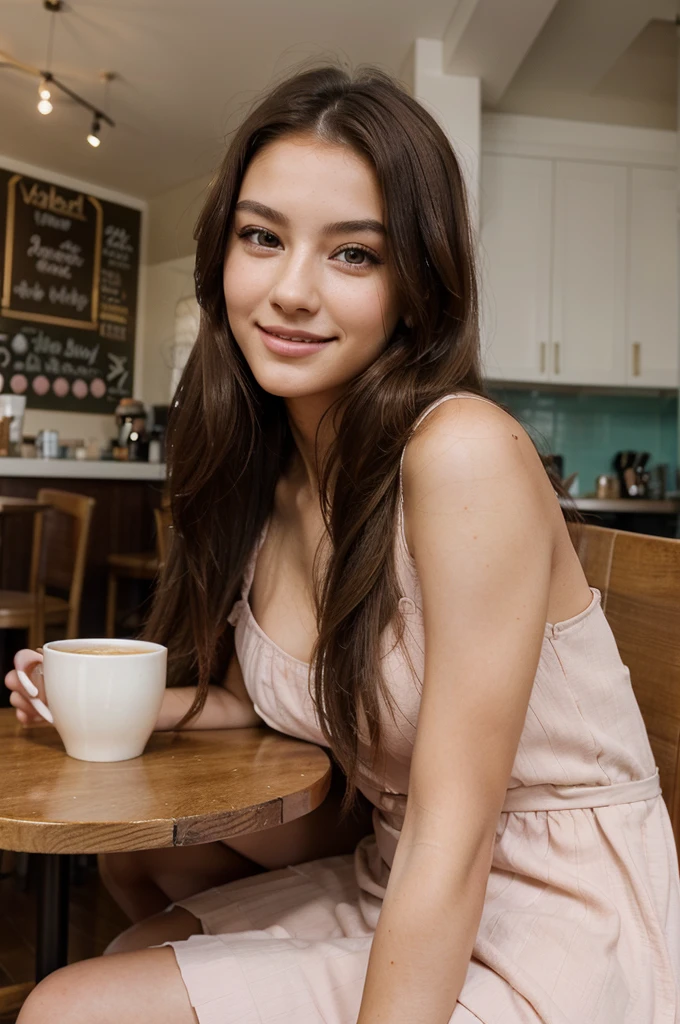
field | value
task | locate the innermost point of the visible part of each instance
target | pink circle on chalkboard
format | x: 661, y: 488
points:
x: 79, y: 388
x: 18, y: 384
x: 60, y: 387
x: 41, y: 385
x: 97, y: 388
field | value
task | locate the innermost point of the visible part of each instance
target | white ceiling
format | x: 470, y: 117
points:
x: 614, y: 61
x: 188, y: 68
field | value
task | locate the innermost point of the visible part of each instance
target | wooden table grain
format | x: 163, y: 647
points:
x: 187, y: 788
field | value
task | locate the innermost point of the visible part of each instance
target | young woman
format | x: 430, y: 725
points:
x: 373, y: 554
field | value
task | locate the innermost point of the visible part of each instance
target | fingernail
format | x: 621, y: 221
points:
x: 28, y: 686
x: 43, y: 710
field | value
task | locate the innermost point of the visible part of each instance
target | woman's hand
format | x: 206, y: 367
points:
x: 29, y: 665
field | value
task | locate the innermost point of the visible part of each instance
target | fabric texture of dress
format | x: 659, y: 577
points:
x: 581, y: 920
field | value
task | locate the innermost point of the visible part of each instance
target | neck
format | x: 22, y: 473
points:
x: 312, y: 442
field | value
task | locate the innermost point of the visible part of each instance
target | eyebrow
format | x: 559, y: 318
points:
x: 336, y: 228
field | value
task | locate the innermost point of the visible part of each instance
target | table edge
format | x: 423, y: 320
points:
x: 24, y: 836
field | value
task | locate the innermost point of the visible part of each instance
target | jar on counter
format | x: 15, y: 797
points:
x: 607, y: 487
x: 47, y: 444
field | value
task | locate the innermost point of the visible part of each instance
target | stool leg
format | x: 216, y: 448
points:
x: 52, y: 931
x: 111, y: 598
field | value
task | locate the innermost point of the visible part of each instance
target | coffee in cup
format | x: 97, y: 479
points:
x: 110, y: 650
x: 104, y: 707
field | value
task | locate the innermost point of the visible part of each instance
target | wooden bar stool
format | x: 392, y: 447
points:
x: 141, y: 566
x: 60, y: 538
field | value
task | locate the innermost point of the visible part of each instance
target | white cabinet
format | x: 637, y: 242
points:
x: 589, y: 274
x: 652, y: 341
x: 515, y: 263
x: 579, y: 272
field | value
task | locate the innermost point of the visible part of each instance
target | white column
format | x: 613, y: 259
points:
x: 456, y: 102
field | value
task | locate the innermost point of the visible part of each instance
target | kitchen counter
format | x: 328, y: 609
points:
x: 634, y: 506
x: 80, y: 469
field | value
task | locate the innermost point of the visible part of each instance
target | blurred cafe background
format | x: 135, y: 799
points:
x: 113, y: 117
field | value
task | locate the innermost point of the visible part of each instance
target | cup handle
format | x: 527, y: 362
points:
x: 32, y: 692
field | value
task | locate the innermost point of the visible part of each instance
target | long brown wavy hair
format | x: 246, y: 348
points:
x: 229, y: 440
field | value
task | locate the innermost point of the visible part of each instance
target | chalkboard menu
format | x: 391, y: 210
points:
x: 69, y: 268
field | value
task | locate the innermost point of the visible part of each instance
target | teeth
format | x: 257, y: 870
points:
x: 307, y: 340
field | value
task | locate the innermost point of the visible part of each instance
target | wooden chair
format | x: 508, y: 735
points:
x: 60, y: 538
x: 139, y: 566
x: 639, y: 577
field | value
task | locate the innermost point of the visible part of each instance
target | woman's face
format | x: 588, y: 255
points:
x: 310, y: 296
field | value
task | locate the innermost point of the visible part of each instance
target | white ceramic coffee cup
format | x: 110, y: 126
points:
x: 104, y: 706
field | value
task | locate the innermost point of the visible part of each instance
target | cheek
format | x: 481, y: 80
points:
x: 242, y: 287
x: 364, y: 309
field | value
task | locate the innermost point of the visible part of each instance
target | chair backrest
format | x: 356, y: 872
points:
x: 163, y: 518
x: 639, y: 577
x: 60, y: 539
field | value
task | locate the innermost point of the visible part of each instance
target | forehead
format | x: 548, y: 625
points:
x: 301, y: 176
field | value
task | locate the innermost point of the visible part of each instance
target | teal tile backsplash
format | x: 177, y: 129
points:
x: 588, y: 429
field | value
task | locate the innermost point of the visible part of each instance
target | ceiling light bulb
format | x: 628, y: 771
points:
x: 93, y: 137
x: 45, y: 107
x: 44, y: 91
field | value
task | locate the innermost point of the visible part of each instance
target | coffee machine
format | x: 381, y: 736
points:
x: 131, y: 443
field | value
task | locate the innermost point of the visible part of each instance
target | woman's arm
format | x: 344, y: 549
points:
x: 481, y: 532
x: 227, y: 707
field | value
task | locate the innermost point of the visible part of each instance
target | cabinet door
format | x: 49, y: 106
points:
x: 652, y: 356
x: 589, y: 274
x: 515, y: 207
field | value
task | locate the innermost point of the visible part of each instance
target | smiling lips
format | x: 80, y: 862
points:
x: 284, y: 341
x: 287, y: 334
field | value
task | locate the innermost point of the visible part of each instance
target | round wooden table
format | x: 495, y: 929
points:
x: 188, y: 787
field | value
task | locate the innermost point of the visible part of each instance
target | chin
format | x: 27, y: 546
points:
x: 278, y: 386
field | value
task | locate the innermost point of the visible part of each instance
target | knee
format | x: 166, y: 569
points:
x: 59, y: 997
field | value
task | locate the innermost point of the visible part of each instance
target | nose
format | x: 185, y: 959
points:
x: 295, y: 287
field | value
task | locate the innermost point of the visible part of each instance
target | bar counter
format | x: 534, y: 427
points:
x: 79, y: 469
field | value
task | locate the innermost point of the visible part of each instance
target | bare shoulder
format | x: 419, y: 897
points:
x: 472, y: 439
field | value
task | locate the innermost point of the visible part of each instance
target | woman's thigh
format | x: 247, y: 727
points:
x: 145, y: 987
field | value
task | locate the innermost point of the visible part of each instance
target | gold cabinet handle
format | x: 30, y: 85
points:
x: 556, y: 354
x: 637, y: 353
x: 543, y: 355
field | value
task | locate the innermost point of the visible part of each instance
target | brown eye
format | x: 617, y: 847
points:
x: 265, y: 238
x: 356, y: 257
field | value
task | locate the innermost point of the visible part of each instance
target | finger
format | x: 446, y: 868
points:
x: 22, y: 718
x: 42, y: 709
x: 30, y: 687
x: 26, y: 660
x: 22, y: 703
x: 14, y: 684
x: 28, y: 669
x: 32, y: 706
